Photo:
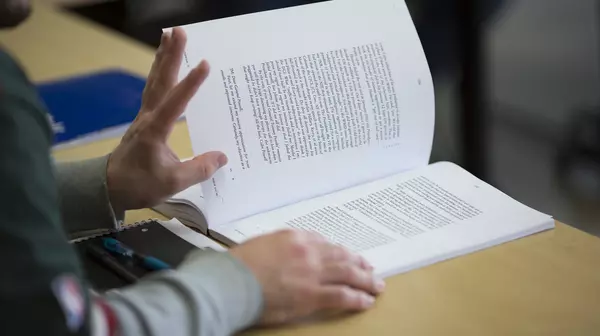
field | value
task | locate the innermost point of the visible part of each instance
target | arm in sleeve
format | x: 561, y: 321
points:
x: 40, y: 270
x: 212, y: 293
x: 84, y: 201
x: 41, y: 287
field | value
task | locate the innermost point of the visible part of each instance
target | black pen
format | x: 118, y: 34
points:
x: 111, y: 263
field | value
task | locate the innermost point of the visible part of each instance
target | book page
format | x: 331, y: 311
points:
x: 407, y: 220
x: 191, y: 236
x: 308, y: 100
x: 190, y: 196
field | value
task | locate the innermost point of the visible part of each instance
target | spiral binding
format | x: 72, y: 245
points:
x: 111, y: 231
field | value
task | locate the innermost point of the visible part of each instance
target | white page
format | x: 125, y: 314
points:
x: 415, y: 232
x: 191, y: 236
x: 191, y: 196
x: 252, y: 182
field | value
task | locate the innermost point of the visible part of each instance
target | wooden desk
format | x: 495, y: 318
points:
x: 547, y: 284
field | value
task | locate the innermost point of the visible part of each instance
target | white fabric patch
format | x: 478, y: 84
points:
x: 69, y: 295
x: 99, y: 327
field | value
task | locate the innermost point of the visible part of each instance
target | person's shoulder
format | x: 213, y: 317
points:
x: 10, y: 69
x: 18, y: 95
x: 13, y: 80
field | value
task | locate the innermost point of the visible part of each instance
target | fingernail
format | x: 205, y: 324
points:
x: 165, y: 36
x: 222, y: 160
x: 367, y: 300
x: 379, y: 285
x: 203, y: 64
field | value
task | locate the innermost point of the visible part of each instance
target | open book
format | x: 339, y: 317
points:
x: 326, y: 113
x: 187, y: 207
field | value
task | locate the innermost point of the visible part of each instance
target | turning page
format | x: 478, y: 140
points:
x: 308, y: 100
x: 407, y: 220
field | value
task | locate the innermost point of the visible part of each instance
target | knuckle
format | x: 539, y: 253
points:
x: 287, y: 234
x: 313, y: 264
x: 364, y: 263
x: 349, y: 273
x: 343, y: 296
x: 342, y: 253
x: 315, y: 235
x: 300, y: 249
x: 205, y: 171
x: 293, y: 238
x: 347, y: 253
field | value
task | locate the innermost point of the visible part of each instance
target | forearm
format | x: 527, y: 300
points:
x: 84, y: 200
x: 211, y: 294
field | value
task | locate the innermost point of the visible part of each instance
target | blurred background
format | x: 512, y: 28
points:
x: 517, y: 86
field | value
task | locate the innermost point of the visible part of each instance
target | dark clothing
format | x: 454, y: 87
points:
x: 33, y: 246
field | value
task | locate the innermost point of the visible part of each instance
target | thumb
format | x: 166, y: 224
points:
x: 201, y: 168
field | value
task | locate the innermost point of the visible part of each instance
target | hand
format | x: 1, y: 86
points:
x: 143, y: 171
x: 302, y: 274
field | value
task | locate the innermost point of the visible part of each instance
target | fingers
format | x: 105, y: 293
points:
x: 149, y: 98
x: 352, y: 275
x: 199, y: 169
x: 169, y: 68
x: 178, y: 99
x: 165, y: 69
x: 337, y: 253
x: 341, y: 297
x: 332, y: 253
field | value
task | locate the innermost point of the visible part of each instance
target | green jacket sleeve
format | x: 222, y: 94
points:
x: 39, y: 288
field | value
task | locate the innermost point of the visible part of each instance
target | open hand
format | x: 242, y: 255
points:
x: 302, y: 274
x: 143, y: 171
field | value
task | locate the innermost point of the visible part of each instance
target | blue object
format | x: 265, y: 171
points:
x: 151, y: 263
x: 92, y: 103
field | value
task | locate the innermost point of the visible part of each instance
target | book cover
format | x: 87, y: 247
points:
x: 92, y: 106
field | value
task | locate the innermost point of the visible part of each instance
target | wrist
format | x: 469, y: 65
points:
x: 211, y: 293
x: 115, y: 193
x: 236, y: 294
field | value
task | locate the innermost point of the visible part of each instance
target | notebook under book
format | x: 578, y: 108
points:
x: 168, y: 241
